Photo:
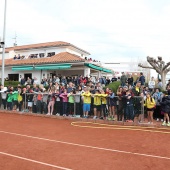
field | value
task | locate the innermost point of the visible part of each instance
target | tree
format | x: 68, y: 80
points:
x: 159, y: 66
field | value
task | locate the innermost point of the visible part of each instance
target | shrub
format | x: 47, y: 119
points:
x: 11, y: 83
x: 114, y: 86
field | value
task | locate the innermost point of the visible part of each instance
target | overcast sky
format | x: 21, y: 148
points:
x: 111, y: 30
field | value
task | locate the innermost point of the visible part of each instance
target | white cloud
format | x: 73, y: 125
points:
x: 109, y: 30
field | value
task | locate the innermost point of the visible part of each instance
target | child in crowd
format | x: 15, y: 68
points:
x: 120, y: 106
x: 71, y: 102
x: 30, y: 100
x: 64, y: 102
x: 9, y: 100
x: 15, y: 99
x: 44, y: 101
x: 20, y: 99
x: 150, y: 106
x: 34, y: 107
x: 77, y: 100
x: 97, y: 104
x: 103, y: 106
x: 129, y: 107
x: 51, y: 102
x: 141, y: 109
x: 112, y: 105
x: 86, y: 102
x: 57, y: 106
x: 39, y: 101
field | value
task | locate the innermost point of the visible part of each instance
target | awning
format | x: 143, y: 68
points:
x: 42, y: 67
x: 53, y: 67
x: 22, y: 68
x: 97, y: 68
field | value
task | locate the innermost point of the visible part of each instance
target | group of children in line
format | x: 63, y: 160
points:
x: 99, y: 103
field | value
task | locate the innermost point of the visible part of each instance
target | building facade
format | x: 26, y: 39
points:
x: 48, y: 59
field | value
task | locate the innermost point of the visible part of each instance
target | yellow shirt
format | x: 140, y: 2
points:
x: 137, y: 89
x: 87, y: 97
x: 103, y: 98
x: 150, y: 104
x: 97, y: 99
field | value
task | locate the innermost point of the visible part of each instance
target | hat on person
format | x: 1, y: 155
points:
x: 125, y: 87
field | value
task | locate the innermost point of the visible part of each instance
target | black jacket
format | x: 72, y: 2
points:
x: 165, y: 104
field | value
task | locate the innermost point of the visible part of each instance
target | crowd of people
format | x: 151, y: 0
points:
x: 80, y: 96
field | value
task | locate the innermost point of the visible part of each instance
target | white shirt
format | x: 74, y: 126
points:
x: 151, y: 84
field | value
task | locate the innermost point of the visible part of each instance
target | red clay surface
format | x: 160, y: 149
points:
x: 50, y: 149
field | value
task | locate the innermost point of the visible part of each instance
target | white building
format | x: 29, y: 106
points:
x: 48, y: 59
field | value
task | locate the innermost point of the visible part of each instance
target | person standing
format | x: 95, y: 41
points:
x: 130, y: 80
x: 142, y: 79
x: 151, y: 84
x: 150, y: 106
x: 86, y: 102
x: 123, y: 79
x: 165, y: 107
x: 4, y: 96
x: 112, y: 104
x: 157, y: 97
x: 22, y: 82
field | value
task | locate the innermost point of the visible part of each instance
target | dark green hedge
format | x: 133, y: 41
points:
x: 11, y: 83
x: 114, y: 86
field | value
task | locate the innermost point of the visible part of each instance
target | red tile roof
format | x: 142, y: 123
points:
x: 63, y: 57
x: 43, y: 45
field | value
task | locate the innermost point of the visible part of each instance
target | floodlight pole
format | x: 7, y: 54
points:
x: 3, y: 49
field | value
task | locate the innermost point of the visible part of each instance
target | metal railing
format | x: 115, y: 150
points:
x: 28, y: 103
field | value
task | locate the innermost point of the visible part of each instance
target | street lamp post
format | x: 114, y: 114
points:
x: 3, y: 41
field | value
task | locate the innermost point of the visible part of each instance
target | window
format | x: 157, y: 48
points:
x: 50, y: 54
x: 41, y: 55
x: 13, y: 77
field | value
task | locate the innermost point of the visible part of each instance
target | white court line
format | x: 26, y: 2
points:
x: 31, y: 160
x: 88, y: 146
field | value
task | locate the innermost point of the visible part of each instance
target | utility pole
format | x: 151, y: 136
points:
x: 3, y: 45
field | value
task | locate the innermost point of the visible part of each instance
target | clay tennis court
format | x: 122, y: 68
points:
x: 41, y: 143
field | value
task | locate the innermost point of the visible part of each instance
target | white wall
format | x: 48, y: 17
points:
x: 6, y: 56
x: 77, y: 52
x: 26, y: 53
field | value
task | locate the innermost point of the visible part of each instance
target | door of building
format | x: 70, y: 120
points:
x: 26, y: 75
